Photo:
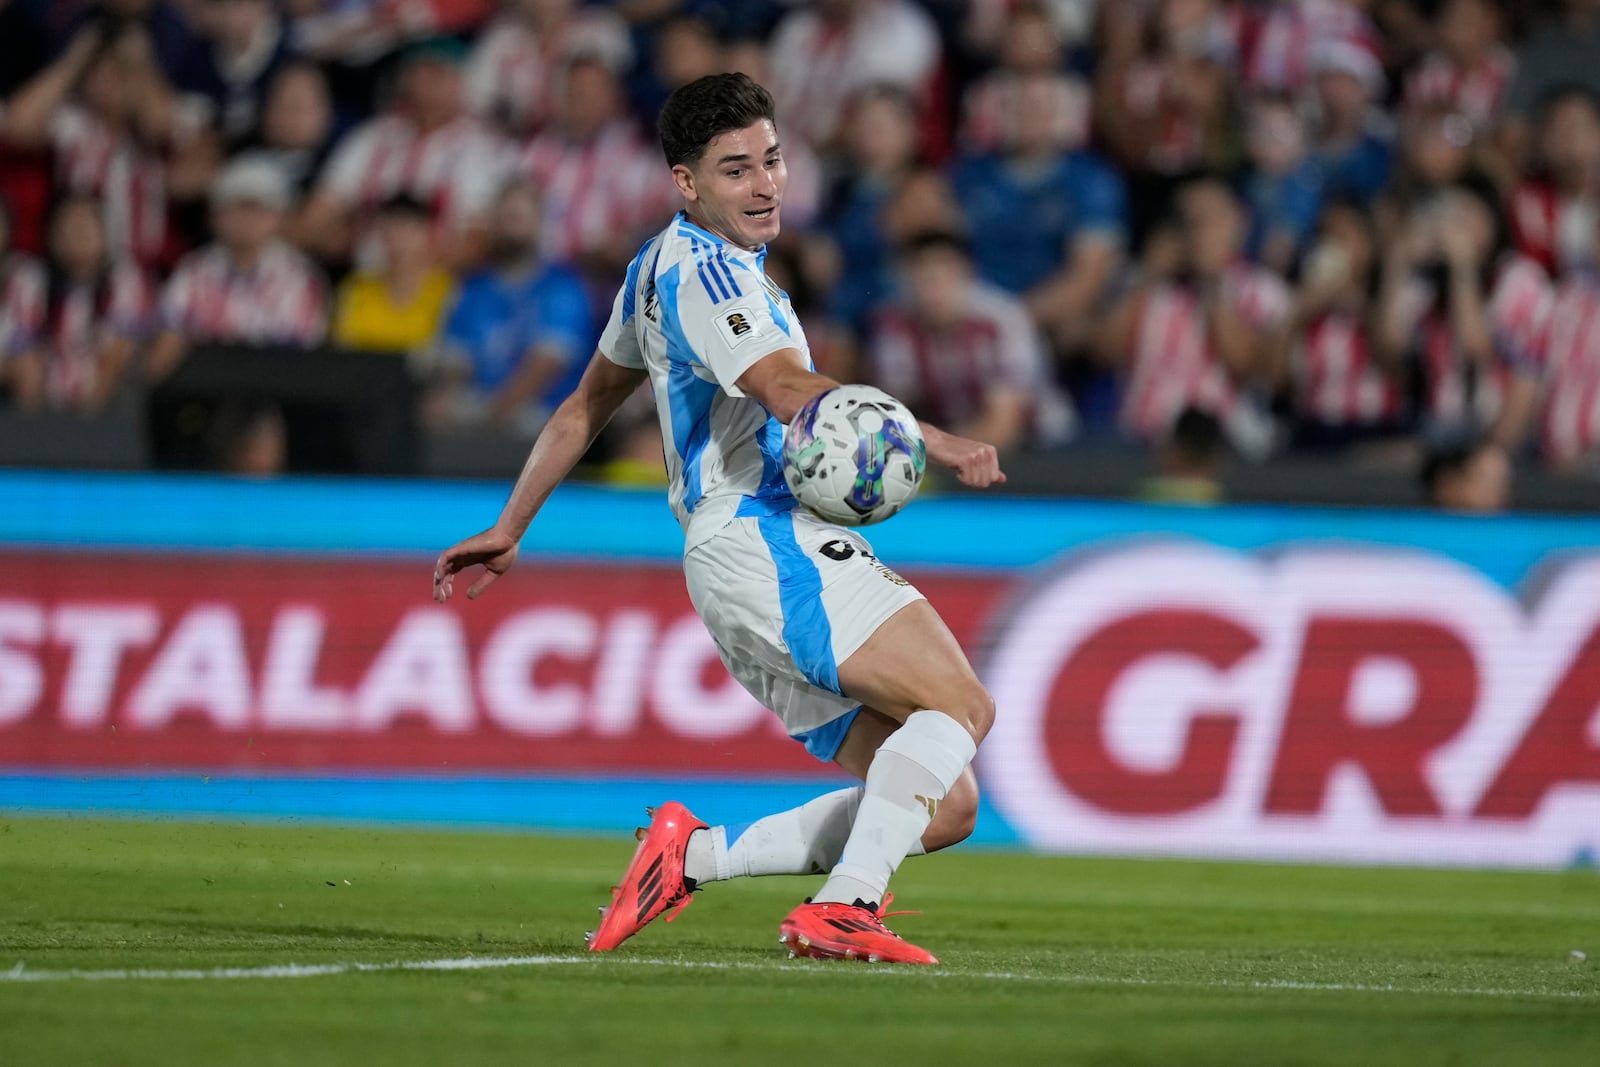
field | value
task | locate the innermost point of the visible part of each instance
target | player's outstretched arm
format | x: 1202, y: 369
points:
x: 783, y: 383
x: 976, y: 464
x: 562, y: 442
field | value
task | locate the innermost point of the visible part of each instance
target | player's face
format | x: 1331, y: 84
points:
x: 736, y: 188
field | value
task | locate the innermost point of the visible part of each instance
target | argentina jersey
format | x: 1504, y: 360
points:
x: 696, y: 312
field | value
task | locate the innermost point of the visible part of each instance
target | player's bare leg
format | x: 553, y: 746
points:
x: 913, y: 672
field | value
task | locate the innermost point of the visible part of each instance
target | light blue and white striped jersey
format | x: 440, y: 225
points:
x: 697, y: 312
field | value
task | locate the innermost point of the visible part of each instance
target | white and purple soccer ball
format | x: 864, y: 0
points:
x: 854, y: 455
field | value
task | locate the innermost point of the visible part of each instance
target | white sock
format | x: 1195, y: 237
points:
x: 803, y: 840
x: 912, y: 771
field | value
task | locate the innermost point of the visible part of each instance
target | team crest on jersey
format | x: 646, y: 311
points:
x: 737, y: 325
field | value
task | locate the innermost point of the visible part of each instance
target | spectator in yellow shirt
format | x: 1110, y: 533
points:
x: 400, y: 306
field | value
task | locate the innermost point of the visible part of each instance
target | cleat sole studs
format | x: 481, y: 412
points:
x: 602, y: 909
x: 639, y: 833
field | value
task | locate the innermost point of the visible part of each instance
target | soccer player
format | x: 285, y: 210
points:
x: 856, y: 663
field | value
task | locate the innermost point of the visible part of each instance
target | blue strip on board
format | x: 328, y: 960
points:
x: 588, y: 805
x: 212, y: 513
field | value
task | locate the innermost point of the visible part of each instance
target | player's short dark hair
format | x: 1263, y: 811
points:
x: 698, y: 113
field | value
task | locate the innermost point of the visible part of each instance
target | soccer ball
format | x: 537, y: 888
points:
x: 854, y: 455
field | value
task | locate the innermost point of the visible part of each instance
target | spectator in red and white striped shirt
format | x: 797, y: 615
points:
x: 602, y: 183
x: 1341, y: 392
x: 427, y: 147
x: 22, y: 285
x: 1554, y: 210
x: 963, y: 353
x: 1276, y: 39
x: 990, y: 105
x: 1472, y: 67
x: 513, y: 77
x: 108, y: 113
x: 1467, y: 313
x: 250, y: 287
x: 1200, y: 326
x: 83, y: 333
x: 823, y: 54
x: 1571, y: 416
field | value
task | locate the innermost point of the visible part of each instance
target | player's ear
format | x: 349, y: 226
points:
x: 684, y: 178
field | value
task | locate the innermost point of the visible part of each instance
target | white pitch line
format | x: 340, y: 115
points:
x: 20, y: 973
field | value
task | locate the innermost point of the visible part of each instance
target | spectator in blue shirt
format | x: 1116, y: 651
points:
x: 1354, y: 137
x: 519, y: 336
x: 1048, y: 218
x: 883, y: 146
x: 1282, y: 185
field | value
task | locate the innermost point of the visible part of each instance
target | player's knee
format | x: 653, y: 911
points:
x: 957, y: 816
x: 974, y: 709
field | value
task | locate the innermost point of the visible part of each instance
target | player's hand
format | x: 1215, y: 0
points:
x: 492, y: 550
x: 976, y: 464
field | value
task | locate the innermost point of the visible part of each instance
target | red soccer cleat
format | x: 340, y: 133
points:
x: 653, y: 882
x: 848, y: 932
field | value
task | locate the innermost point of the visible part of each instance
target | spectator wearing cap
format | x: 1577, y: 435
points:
x: 1276, y: 40
x: 513, y: 77
x: 1048, y: 217
x: 399, y: 306
x: 1554, y: 209
x: 1354, y: 138
x: 82, y: 332
x: 963, y: 353
x: 249, y: 287
x: 427, y: 146
x: 520, y: 333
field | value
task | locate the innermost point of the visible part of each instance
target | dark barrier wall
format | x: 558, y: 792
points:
x: 1260, y: 682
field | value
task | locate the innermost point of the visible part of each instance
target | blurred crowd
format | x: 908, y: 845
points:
x: 1366, y: 227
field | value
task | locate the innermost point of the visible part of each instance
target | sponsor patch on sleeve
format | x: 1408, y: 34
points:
x: 737, y: 325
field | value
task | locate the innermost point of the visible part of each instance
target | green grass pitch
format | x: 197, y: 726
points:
x: 1046, y: 960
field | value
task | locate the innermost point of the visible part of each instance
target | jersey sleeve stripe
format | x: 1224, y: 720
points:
x: 722, y: 263
x: 708, y: 274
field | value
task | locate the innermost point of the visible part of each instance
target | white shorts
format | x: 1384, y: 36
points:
x: 788, y: 598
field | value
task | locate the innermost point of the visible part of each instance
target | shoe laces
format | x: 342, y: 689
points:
x: 882, y: 912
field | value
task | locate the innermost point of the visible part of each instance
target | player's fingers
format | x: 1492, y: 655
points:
x: 481, y: 584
